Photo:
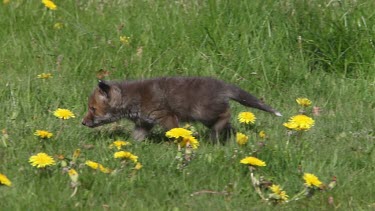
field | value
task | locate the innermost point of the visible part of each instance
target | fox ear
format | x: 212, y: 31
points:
x: 104, y: 87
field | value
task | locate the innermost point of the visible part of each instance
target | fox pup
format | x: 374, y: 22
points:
x: 168, y: 101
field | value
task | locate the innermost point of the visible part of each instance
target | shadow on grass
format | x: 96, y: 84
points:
x: 157, y: 134
x: 117, y: 131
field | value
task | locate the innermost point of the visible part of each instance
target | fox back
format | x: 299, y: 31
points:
x: 168, y: 101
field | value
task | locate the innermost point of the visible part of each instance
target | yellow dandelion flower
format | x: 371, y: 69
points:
x: 246, y: 117
x: 303, y: 102
x: 49, y: 4
x: 299, y: 122
x: 275, y: 189
x: 241, y: 138
x: 73, y: 175
x: 76, y: 154
x: 291, y: 125
x: 194, y: 143
x: 262, y: 134
x: 6, y: 1
x: 138, y: 166
x: 283, y: 196
x: 4, y: 180
x: 134, y: 158
x: 311, y: 180
x: 119, y: 144
x: 125, y: 40
x: 41, y: 160
x: 104, y: 169
x: 63, y: 113
x: 44, y: 76
x: 96, y: 166
x: 58, y: 26
x: 279, y: 193
x: 72, y: 172
x: 126, y: 155
x: 178, y: 132
x: 43, y: 134
x: 253, y: 161
x: 92, y: 164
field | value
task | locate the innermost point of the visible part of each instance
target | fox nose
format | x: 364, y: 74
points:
x: 87, y: 123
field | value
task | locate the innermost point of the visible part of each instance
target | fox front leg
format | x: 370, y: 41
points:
x: 141, y: 131
x: 169, y: 122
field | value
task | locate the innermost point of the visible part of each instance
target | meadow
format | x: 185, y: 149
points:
x: 277, y: 50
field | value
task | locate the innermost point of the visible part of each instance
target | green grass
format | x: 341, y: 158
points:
x: 322, y: 50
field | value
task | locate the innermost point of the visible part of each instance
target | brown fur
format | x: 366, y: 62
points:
x: 168, y: 101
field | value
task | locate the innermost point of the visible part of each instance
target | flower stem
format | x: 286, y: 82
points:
x: 298, y: 195
x: 255, y: 184
x: 61, y: 129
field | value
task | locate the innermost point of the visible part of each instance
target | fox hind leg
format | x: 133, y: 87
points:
x: 222, y: 128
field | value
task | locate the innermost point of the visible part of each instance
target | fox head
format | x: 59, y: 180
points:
x: 102, y: 105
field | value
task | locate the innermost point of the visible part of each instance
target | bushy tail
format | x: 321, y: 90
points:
x: 249, y: 100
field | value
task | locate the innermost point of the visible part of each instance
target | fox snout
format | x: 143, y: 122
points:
x: 87, y: 122
x: 91, y: 120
